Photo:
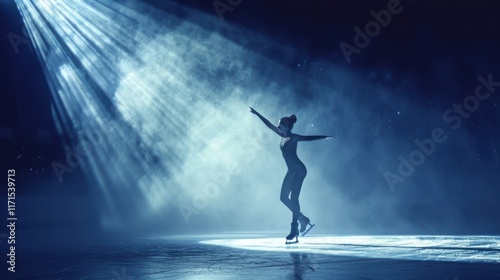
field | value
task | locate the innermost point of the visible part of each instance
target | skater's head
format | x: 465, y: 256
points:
x: 286, y: 123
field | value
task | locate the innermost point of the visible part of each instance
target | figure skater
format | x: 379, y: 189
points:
x: 290, y: 189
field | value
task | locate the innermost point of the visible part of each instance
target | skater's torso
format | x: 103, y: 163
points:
x: 288, y: 146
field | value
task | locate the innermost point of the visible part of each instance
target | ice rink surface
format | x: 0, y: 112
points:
x: 265, y: 256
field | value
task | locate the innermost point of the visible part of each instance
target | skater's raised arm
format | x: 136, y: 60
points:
x: 266, y: 121
x: 313, y: 137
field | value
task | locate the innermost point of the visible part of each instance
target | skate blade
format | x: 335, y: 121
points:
x: 292, y: 241
x: 307, y: 230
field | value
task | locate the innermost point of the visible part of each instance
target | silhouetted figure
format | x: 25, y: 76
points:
x: 297, y: 171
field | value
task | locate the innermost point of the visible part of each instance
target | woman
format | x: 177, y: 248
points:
x: 290, y: 189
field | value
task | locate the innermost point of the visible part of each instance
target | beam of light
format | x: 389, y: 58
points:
x: 481, y: 249
x: 163, y: 104
x: 80, y: 45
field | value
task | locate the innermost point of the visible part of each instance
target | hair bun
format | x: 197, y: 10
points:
x: 293, y: 118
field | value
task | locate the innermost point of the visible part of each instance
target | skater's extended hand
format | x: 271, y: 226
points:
x: 253, y: 111
x: 329, y: 137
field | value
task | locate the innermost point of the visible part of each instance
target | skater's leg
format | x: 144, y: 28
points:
x: 286, y: 188
x: 298, y: 179
x: 296, y: 187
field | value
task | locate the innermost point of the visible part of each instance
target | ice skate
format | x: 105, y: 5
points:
x: 307, y: 230
x: 294, y: 234
x: 305, y: 224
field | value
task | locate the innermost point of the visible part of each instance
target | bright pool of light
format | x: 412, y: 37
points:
x: 403, y: 247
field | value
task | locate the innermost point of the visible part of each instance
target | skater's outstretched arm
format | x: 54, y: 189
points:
x: 313, y: 137
x: 266, y: 122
